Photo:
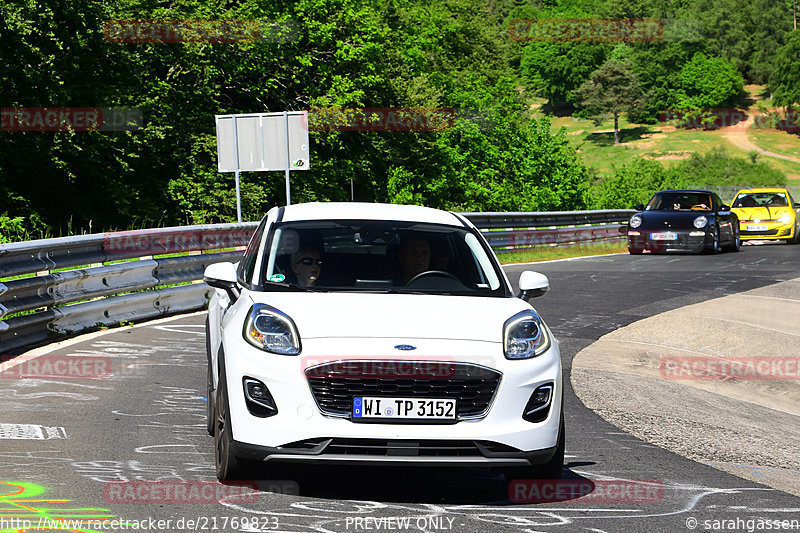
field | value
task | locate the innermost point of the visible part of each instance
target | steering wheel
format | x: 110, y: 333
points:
x: 432, y: 273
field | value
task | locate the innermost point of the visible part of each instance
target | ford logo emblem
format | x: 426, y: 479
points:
x: 405, y: 347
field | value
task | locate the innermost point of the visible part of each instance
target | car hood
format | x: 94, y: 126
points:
x: 762, y: 212
x: 671, y: 219
x: 411, y: 316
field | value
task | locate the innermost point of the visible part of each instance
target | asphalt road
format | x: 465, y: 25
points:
x: 63, y: 441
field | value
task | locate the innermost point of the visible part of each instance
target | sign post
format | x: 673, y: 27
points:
x: 262, y: 142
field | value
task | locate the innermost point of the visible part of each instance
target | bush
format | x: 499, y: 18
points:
x: 635, y: 182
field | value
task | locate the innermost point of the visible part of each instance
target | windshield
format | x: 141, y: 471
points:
x: 680, y: 201
x: 761, y: 199
x: 379, y: 256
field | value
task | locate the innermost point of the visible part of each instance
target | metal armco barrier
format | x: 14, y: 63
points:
x: 101, y: 294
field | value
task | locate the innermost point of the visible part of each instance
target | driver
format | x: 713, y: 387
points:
x: 414, y: 255
x: 307, y: 265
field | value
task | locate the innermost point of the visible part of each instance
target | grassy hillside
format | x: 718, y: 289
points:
x: 668, y: 145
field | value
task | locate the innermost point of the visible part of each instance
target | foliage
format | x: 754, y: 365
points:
x: 632, y: 183
x: 707, y: 83
x: 612, y: 89
x: 635, y: 182
x: 533, y: 170
x: 323, y: 54
x: 717, y: 168
x: 556, y: 70
x: 785, y: 82
x: 329, y: 54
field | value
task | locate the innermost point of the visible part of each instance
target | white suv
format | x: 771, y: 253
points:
x: 355, y: 333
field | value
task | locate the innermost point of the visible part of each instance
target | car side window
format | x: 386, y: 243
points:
x: 248, y: 262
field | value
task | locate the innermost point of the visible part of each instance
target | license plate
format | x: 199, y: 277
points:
x: 367, y: 407
x: 665, y: 236
x: 757, y: 228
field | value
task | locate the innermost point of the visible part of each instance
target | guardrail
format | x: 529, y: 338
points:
x: 100, y: 280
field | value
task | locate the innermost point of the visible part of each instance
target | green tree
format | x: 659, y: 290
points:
x: 707, y: 83
x: 611, y: 90
x: 785, y: 81
x: 631, y: 183
x: 556, y: 70
x: 719, y: 168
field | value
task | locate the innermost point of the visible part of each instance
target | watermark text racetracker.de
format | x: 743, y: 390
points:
x: 730, y: 368
x: 586, y: 490
x: 194, y: 523
x: 54, y: 366
x: 70, y: 119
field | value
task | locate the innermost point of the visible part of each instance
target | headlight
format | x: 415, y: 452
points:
x: 700, y: 222
x: 524, y: 336
x: 785, y: 218
x: 270, y: 330
x: 635, y: 221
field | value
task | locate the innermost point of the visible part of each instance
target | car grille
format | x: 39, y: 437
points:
x: 766, y: 233
x: 335, y: 384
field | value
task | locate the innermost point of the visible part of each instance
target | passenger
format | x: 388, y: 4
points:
x: 777, y: 201
x: 306, y: 265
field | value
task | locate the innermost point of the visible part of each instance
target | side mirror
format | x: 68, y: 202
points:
x: 639, y: 207
x: 223, y: 276
x: 724, y: 207
x: 532, y: 284
x: 797, y: 205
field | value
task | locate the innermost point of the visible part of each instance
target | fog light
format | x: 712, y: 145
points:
x: 697, y: 234
x: 634, y: 233
x: 258, y: 399
x: 538, y: 406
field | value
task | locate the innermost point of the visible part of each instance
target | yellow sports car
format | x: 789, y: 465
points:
x: 767, y: 214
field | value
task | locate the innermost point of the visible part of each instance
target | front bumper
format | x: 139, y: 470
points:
x: 774, y: 231
x: 301, y: 432
x: 685, y: 240
x: 394, y: 453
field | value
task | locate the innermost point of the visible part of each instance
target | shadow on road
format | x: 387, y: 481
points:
x: 461, y: 486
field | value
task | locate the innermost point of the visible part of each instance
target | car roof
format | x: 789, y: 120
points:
x: 763, y: 189
x: 368, y: 211
x: 684, y: 190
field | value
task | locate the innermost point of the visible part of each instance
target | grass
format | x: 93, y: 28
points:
x: 779, y: 142
x: 668, y: 145
x: 595, y: 144
x: 548, y: 253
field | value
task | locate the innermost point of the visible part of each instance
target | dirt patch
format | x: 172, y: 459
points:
x: 643, y: 144
x: 658, y: 135
x: 668, y: 129
x: 578, y: 132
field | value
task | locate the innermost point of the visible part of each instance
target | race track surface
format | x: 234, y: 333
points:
x: 63, y: 442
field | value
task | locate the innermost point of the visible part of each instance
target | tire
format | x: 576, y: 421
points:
x: 796, y: 238
x: 714, y: 247
x: 209, y: 387
x: 552, y: 469
x: 225, y: 462
x: 737, y: 241
x: 635, y: 251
